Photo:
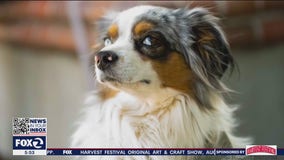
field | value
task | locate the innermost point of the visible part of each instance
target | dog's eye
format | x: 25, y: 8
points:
x: 107, y: 42
x: 151, y: 41
x: 153, y: 44
x: 147, y: 41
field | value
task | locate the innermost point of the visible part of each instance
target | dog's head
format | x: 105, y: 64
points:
x: 149, y: 47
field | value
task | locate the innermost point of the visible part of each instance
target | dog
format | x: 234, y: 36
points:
x: 159, y: 72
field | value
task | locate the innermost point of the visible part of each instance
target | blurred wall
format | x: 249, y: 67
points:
x: 260, y: 89
x: 39, y: 83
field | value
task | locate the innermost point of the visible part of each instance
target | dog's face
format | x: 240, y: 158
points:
x: 147, y: 48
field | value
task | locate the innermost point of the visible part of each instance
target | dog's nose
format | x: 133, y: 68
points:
x: 105, y: 59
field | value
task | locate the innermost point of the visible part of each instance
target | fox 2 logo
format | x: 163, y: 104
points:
x: 29, y: 142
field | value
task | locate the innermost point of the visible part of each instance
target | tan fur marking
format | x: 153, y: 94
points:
x: 205, y: 38
x: 108, y: 93
x: 113, y: 31
x: 174, y: 72
x: 97, y: 46
x: 142, y: 27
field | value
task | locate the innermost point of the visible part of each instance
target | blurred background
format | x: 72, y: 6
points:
x: 44, y: 48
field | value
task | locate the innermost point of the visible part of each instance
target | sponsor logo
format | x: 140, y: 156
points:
x: 261, y: 150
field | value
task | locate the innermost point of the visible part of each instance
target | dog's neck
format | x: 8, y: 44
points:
x: 169, y: 120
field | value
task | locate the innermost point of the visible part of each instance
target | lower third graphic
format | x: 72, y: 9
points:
x: 29, y: 136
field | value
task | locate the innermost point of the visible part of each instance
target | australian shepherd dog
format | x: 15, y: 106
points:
x: 159, y: 72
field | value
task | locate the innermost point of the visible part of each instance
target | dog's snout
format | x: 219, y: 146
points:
x: 105, y: 59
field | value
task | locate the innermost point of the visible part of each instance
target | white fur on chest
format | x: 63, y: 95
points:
x: 124, y: 121
x: 176, y: 122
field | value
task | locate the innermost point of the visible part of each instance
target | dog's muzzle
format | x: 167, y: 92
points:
x: 105, y: 59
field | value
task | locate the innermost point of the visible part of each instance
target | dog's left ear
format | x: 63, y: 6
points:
x: 209, y: 43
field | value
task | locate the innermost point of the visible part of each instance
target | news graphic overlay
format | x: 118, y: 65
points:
x: 261, y: 150
x: 162, y: 151
x: 146, y: 151
x: 29, y: 136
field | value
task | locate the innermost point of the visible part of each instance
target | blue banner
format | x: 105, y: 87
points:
x: 280, y: 151
x: 149, y: 152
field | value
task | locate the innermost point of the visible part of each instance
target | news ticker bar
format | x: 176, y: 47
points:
x: 148, y: 152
